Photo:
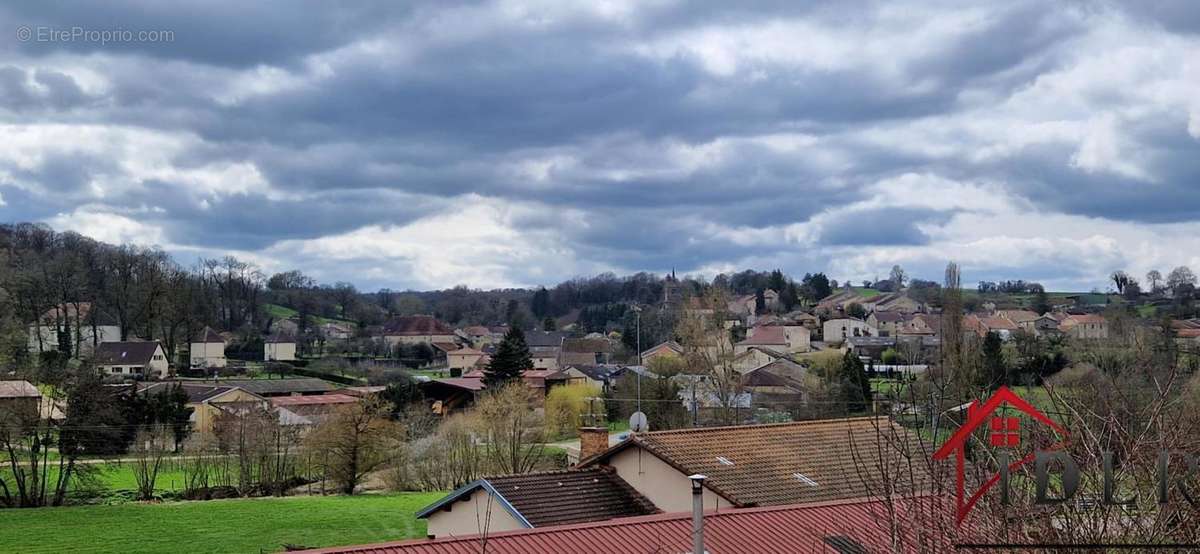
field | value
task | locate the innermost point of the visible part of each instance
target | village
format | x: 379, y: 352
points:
x: 798, y: 404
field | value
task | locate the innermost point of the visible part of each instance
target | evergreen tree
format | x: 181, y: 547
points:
x: 511, y: 358
x: 856, y: 385
x: 760, y: 301
x: 1041, y: 302
x: 540, y: 305
x: 994, y: 370
x: 549, y: 324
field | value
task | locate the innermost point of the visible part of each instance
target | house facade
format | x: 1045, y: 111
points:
x: 207, y: 349
x: 80, y: 325
x: 416, y: 329
x: 836, y: 331
x: 138, y: 360
x: 279, y: 348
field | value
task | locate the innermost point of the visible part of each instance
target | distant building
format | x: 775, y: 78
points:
x: 888, y: 323
x: 279, y: 348
x: 586, y: 351
x: 463, y: 359
x: 132, y: 359
x: 337, y: 331
x: 544, y: 347
x: 209, y: 401
x: 1085, y: 326
x: 79, y: 325
x: 207, y: 349
x: 836, y: 331
x: 662, y: 349
x: 19, y: 402
x: 416, y: 329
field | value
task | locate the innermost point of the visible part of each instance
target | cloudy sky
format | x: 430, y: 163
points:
x: 521, y: 143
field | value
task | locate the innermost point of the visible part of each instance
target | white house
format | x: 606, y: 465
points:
x: 278, y: 347
x: 78, y: 322
x: 207, y: 349
x: 836, y: 331
x: 134, y: 359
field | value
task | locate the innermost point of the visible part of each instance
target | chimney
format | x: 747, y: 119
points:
x: 592, y: 441
x: 697, y: 513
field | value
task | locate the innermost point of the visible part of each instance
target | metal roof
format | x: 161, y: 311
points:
x: 828, y: 527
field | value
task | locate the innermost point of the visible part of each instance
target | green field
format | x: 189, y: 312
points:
x: 243, y: 525
x: 283, y: 312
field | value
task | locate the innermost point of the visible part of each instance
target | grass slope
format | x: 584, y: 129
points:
x: 242, y: 525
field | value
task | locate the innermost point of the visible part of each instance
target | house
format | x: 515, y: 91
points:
x: 280, y: 348
x: 662, y: 349
x: 921, y: 324
x: 134, y: 359
x: 764, y: 465
x: 888, y: 323
x: 334, y: 330
x: 600, y: 375
x: 836, y: 331
x: 854, y: 526
x: 462, y: 359
x: 480, y: 336
x: 1045, y: 324
x: 585, y: 351
x: 894, y: 302
x: 1000, y: 325
x: 804, y: 318
x: 836, y: 302
x: 1020, y: 317
x: 79, y: 324
x: 314, y: 408
x: 534, y: 500
x: 451, y: 394
x: 415, y: 329
x: 20, y: 402
x: 768, y: 337
x: 776, y: 384
x: 207, y: 349
x: 544, y: 348
x: 796, y: 338
x: 1085, y: 326
x: 870, y: 347
x: 756, y: 356
x: 208, y: 402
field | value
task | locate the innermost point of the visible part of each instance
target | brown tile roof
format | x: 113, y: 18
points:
x: 1018, y: 316
x: 125, y: 353
x: 18, y: 389
x: 998, y: 324
x: 785, y: 463
x: 888, y: 317
x: 1085, y: 318
x: 416, y: 325
x: 561, y: 497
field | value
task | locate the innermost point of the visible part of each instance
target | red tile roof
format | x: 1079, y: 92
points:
x: 766, y: 336
x: 860, y: 525
x: 785, y: 463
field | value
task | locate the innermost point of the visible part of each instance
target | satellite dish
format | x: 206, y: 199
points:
x: 638, y: 423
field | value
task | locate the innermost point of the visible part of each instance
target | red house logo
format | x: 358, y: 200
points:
x: 1003, y: 432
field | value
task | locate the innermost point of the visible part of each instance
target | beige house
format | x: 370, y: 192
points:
x: 209, y: 401
x: 663, y: 350
x: 463, y: 358
x: 80, y: 323
x: 1085, y: 326
x: 836, y: 331
x: 132, y: 359
x: 207, y: 349
x: 888, y: 323
x: 19, y: 402
x: 279, y: 348
x: 417, y: 329
x: 756, y: 356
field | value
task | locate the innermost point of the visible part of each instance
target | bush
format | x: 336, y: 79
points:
x: 890, y: 357
x: 567, y: 406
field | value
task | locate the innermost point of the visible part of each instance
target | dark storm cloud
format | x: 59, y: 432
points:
x: 382, y: 114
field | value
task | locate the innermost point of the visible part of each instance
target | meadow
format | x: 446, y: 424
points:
x: 249, y: 525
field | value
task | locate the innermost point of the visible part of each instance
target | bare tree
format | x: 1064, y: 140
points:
x: 709, y: 351
x: 150, y: 447
x: 354, y: 441
x: 512, y: 429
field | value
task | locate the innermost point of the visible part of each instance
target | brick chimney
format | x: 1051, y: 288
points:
x: 592, y: 441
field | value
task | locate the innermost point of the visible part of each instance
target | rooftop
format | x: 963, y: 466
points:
x: 125, y: 353
x: 18, y: 389
x: 784, y: 463
x: 558, y: 497
x: 314, y: 400
x: 859, y: 525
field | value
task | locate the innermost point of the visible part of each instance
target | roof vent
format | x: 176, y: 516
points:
x: 804, y: 479
x: 724, y: 461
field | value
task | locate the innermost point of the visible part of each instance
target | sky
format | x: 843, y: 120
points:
x: 493, y: 144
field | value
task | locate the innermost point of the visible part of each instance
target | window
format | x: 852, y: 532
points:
x: 1006, y: 431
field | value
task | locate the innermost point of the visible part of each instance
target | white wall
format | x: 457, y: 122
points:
x: 470, y: 516
x: 658, y: 481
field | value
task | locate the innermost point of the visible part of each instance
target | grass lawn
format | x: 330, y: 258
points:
x: 242, y: 525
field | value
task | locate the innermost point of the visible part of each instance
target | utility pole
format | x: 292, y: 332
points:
x: 637, y: 310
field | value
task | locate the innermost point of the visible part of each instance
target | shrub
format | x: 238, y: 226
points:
x: 890, y: 357
x: 567, y: 406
